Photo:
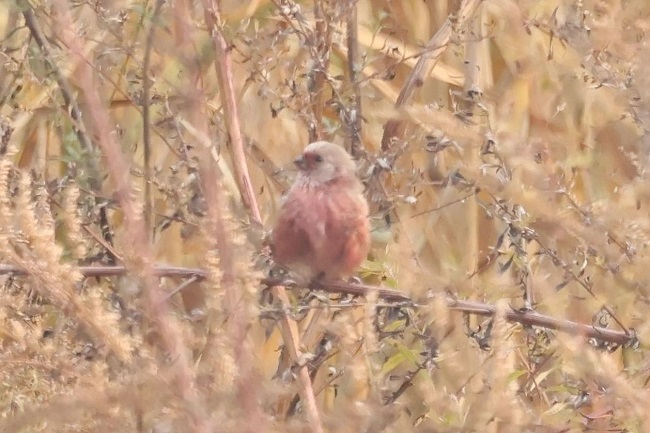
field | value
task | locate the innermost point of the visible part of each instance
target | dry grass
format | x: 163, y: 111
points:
x: 506, y: 153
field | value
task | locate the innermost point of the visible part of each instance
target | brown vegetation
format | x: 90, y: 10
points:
x: 504, y: 149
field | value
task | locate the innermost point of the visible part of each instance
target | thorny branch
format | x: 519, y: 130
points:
x: 510, y: 217
x: 525, y: 317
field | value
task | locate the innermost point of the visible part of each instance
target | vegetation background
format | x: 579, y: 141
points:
x: 505, y: 149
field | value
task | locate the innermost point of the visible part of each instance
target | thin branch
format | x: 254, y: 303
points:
x: 79, y: 127
x: 141, y: 252
x: 354, y: 65
x: 442, y: 206
x: 321, y: 41
x: 425, y: 64
x: 291, y: 338
x: 223, y: 65
x: 238, y: 321
x: 556, y: 259
x: 146, y: 119
x: 525, y: 317
x: 531, y: 318
x: 307, y: 35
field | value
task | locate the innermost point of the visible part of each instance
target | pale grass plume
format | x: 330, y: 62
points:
x: 72, y: 222
x: 247, y: 277
x: 213, y: 279
x: 601, y: 369
x: 438, y: 311
x: 93, y: 304
x: 57, y: 280
x: 354, y: 391
x: 6, y: 212
x: 217, y: 363
x: 42, y: 208
x: 371, y: 346
x: 500, y: 368
x: 369, y: 318
x: 444, y: 334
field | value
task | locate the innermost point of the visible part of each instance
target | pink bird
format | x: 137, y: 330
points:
x: 323, y: 231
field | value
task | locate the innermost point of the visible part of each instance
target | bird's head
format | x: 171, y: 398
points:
x: 323, y: 162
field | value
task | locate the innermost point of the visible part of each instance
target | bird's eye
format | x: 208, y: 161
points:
x: 318, y: 158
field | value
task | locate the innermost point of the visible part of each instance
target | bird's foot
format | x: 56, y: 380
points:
x: 278, y: 271
x: 317, y: 281
x: 355, y: 280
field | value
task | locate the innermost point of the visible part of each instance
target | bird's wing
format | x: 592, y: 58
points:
x: 356, y: 245
x: 290, y: 241
x: 347, y: 232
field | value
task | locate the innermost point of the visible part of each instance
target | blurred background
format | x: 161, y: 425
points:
x: 505, y: 151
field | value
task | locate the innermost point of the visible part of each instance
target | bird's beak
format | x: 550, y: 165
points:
x: 300, y: 162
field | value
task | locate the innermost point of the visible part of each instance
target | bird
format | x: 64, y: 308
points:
x: 322, y: 232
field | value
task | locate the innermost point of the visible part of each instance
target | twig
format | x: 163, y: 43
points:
x: 146, y: 121
x: 307, y: 36
x: 182, y: 287
x: 525, y: 317
x: 134, y: 225
x: 223, y: 65
x: 322, y: 41
x: 358, y: 289
x: 291, y: 338
x: 355, y: 114
x: 442, y: 206
x: 80, y: 128
x: 555, y: 258
x: 212, y: 180
x: 531, y: 318
x: 264, y: 163
x: 406, y: 384
x: 112, y: 252
x: 432, y: 52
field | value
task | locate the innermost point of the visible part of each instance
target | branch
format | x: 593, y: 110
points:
x: 223, y: 65
x: 79, y: 127
x: 146, y: 119
x: 531, y: 318
x: 291, y: 338
x: 526, y: 318
x: 141, y: 252
x: 321, y: 44
x: 425, y: 64
x: 355, y: 115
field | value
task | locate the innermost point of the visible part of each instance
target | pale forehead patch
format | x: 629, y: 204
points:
x: 331, y: 151
x: 325, y: 147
